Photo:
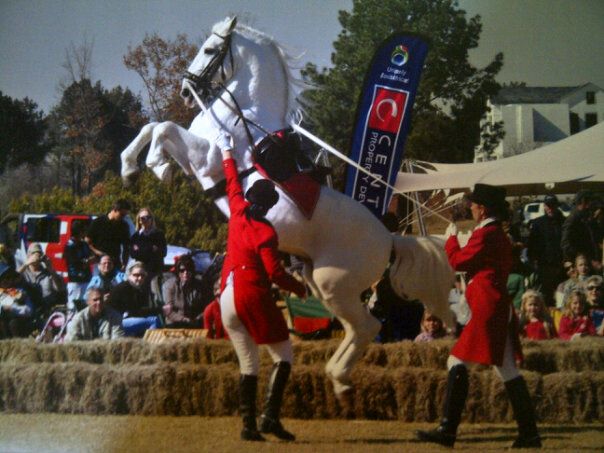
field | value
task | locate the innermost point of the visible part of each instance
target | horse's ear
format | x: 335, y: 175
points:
x: 225, y: 27
x: 233, y: 24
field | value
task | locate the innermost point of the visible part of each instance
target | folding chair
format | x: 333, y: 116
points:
x: 310, y: 320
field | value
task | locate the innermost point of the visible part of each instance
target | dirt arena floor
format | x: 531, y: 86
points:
x: 108, y: 434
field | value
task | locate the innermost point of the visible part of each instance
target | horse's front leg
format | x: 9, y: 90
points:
x: 188, y: 150
x: 130, y: 155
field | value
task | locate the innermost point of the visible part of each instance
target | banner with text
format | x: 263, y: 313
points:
x: 383, y: 119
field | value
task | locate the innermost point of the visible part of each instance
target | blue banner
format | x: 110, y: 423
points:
x: 384, y: 118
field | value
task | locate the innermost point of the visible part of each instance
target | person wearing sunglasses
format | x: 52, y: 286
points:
x: 185, y: 296
x: 132, y: 299
x: 594, y: 298
x: 148, y: 243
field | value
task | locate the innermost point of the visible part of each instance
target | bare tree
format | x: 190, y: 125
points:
x: 78, y: 62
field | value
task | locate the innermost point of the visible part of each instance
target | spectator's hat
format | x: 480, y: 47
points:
x: 551, y: 201
x: 489, y: 196
x: 263, y: 193
x: 34, y: 247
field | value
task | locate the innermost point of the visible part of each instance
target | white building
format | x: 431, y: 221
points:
x: 535, y: 116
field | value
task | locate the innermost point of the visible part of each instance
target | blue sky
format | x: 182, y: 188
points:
x: 545, y: 42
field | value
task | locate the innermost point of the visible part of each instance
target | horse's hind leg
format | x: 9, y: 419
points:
x: 360, y: 329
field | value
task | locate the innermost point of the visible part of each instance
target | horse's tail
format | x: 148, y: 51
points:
x: 421, y: 271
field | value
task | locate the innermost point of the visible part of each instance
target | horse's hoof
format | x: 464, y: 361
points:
x: 346, y: 402
x: 130, y: 180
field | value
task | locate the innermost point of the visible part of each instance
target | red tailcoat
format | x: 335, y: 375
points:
x: 253, y: 258
x: 487, y: 259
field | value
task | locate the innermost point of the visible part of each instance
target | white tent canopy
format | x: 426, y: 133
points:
x: 570, y: 164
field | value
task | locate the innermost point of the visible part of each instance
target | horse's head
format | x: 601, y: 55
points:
x: 242, y: 78
x: 212, y: 66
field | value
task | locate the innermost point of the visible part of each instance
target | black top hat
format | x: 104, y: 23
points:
x: 489, y: 196
x: 263, y: 193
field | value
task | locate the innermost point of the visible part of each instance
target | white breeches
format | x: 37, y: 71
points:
x: 245, y: 347
x: 506, y: 372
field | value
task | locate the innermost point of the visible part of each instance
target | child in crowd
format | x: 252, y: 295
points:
x: 535, y: 324
x: 574, y: 322
x: 432, y: 328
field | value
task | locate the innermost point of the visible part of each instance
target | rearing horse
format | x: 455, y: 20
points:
x: 243, y: 77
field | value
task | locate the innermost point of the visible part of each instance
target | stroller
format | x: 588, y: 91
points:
x: 55, y: 328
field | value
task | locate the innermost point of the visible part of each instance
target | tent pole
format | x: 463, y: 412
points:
x: 417, y: 205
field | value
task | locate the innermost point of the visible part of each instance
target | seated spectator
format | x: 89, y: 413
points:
x: 16, y: 308
x: 107, y: 277
x: 148, y: 244
x: 212, y: 320
x: 535, y: 324
x: 571, y: 273
x: 432, y: 328
x: 594, y: 295
x: 78, y: 257
x: 583, y: 272
x: 185, y: 297
x: 47, y: 287
x: 574, y: 322
x: 133, y: 300
x: 96, y: 321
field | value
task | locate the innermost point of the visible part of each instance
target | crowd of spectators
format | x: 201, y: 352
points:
x: 556, y: 283
x: 117, y: 285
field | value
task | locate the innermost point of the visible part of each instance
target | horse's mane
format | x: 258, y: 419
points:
x: 294, y: 84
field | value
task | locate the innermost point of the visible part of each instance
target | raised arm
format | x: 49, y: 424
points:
x: 233, y: 186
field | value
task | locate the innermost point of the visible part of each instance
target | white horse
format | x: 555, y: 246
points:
x: 345, y: 248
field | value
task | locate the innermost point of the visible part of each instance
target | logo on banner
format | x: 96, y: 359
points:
x: 400, y: 55
x: 387, y: 110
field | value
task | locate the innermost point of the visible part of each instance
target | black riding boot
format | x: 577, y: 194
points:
x: 248, y: 385
x: 455, y: 400
x: 269, y: 422
x: 524, y: 413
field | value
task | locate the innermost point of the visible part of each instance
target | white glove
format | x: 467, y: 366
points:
x: 224, y: 141
x: 451, y: 230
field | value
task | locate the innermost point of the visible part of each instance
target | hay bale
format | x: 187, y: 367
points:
x: 545, y: 357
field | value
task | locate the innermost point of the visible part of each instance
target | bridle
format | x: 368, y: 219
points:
x: 208, y: 89
x: 203, y: 83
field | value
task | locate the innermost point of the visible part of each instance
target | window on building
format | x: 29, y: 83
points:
x: 590, y: 97
x: 591, y: 119
x: 574, y: 123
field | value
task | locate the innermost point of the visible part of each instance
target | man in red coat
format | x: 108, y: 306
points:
x: 248, y: 311
x: 491, y: 335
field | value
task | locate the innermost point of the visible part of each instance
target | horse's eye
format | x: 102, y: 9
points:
x: 210, y: 51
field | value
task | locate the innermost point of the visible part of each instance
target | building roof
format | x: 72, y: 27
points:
x: 532, y: 95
